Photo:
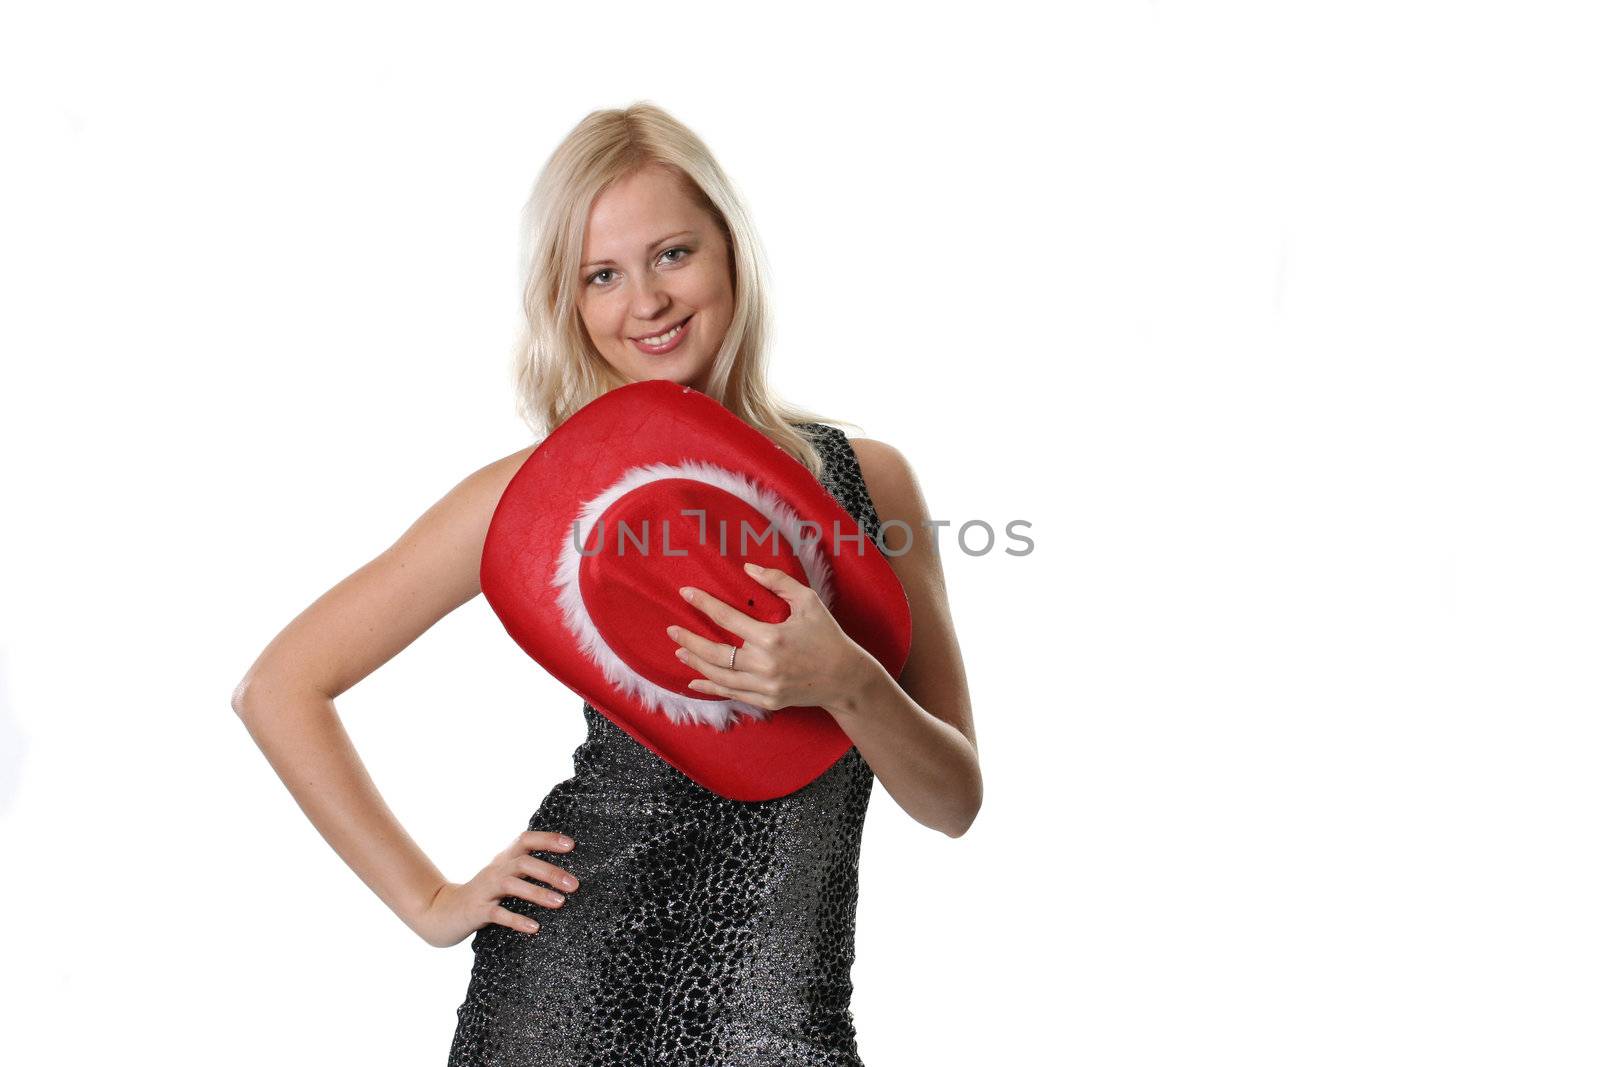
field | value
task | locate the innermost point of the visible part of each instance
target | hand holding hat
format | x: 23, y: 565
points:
x: 806, y: 659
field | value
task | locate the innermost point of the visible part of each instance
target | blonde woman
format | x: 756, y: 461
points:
x: 641, y: 918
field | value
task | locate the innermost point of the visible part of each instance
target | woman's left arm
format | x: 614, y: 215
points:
x: 915, y: 733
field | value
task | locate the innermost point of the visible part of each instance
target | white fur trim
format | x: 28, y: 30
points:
x: 782, y: 518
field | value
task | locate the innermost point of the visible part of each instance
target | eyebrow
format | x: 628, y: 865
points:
x: 658, y: 241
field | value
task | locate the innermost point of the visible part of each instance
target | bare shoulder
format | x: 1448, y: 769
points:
x: 891, y: 482
x: 477, y: 494
x: 433, y: 565
x: 459, y: 522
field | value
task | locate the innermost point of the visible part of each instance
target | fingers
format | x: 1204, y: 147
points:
x: 519, y: 882
x: 709, y: 658
x: 779, y: 581
x: 760, y: 700
x: 515, y: 885
x: 724, y: 615
x: 717, y: 672
x: 715, y: 652
x: 542, y: 841
x: 547, y: 872
x: 506, y: 917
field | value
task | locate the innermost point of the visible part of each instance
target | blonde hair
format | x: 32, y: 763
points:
x: 556, y: 368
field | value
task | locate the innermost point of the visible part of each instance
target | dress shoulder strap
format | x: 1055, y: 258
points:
x: 841, y: 474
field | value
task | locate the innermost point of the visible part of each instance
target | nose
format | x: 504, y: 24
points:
x: 650, y: 298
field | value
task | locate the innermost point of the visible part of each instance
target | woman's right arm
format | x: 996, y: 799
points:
x: 286, y: 701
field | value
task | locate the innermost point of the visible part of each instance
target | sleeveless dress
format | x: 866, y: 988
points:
x: 704, y: 931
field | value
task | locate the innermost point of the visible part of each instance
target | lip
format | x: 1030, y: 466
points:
x: 661, y: 350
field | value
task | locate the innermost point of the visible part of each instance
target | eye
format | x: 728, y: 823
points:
x: 680, y: 248
x: 597, y: 274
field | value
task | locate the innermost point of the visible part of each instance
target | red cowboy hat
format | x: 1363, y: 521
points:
x: 650, y: 487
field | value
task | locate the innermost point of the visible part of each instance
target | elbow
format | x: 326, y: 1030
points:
x: 240, y: 700
x: 970, y: 795
x: 266, y: 691
x: 960, y: 829
x: 970, y: 815
x: 249, y: 694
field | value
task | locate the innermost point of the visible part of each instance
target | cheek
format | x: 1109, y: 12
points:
x: 596, y: 319
x: 712, y: 286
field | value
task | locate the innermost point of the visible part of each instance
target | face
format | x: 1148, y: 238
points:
x: 654, y: 261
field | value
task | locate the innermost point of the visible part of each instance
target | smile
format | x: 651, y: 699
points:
x: 663, y: 342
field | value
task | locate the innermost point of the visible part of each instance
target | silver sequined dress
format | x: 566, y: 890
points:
x: 704, y: 931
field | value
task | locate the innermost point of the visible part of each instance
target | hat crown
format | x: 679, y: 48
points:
x: 656, y: 529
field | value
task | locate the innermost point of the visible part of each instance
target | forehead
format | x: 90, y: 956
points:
x: 638, y: 209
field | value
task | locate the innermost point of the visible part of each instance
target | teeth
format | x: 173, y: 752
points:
x: 656, y: 342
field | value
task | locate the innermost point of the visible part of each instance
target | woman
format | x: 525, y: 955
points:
x: 706, y: 930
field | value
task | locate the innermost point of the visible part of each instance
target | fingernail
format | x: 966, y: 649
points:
x: 566, y: 842
x: 685, y: 592
x: 672, y: 631
x: 679, y: 653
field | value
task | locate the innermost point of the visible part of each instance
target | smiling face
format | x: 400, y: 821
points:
x: 655, y: 261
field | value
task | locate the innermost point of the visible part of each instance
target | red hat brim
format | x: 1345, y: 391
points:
x: 653, y: 422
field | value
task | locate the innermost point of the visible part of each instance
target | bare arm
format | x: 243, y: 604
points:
x: 286, y: 698
x: 916, y: 733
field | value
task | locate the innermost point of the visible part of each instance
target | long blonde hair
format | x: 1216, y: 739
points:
x: 556, y: 368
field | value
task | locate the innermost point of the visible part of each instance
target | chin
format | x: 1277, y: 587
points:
x: 680, y: 375
x: 656, y: 375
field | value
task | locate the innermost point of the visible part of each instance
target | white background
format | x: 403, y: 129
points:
x: 1277, y: 321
